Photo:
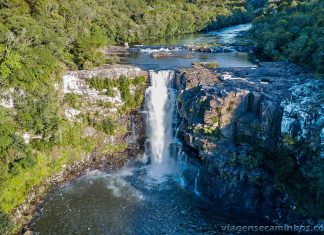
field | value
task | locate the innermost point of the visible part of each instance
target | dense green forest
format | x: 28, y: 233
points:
x: 241, y: 12
x: 294, y: 31
x: 70, y: 31
x: 39, y: 40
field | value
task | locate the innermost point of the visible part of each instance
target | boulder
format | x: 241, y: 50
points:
x: 28, y: 232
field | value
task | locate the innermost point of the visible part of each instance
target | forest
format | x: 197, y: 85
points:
x: 294, y: 32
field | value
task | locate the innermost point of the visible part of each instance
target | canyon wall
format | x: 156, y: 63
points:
x: 257, y: 137
x: 114, y: 133
x: 96, y: 104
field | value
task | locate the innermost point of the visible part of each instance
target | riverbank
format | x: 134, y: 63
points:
x: 23, y: 214
x: 103, y: 128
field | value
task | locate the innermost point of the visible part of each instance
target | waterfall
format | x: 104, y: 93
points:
x: 196, y: 183
x: 160, y: 103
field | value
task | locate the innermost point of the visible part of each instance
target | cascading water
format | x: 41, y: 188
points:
x: 196, y: 183
x: 129, y: 201
x: 160, y: 102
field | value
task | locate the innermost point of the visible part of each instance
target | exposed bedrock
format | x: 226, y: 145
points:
x: 96, y: 104
x: 112, y: 149
x: 256, y: 134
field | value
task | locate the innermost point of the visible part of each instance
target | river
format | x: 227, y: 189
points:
x: 226, y: 38
x: 149, y: 196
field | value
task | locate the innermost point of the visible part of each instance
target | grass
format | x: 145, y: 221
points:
x: 212, y: 65
x: 71, y: 148
x: 15, y: 189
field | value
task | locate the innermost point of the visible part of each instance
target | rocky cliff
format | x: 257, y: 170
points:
x: 257, y: 134
x: 115, y: 130
x: 94, y: 104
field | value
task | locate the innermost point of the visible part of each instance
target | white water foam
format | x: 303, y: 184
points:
x: 121, y: 188
x: 228, y: 35
x: 160, y: 101
x: 154, y: 50
x: 196, y: 183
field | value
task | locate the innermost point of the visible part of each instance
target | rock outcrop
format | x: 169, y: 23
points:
x: 244, y: 124
x: 165, y: 55
x: 220, y: 48
x: 113, y: 148
x: 109, y: 71
x: 96, y: 104
x: 6, y: 100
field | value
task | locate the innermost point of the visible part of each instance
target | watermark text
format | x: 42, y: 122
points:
x: 272, y: 228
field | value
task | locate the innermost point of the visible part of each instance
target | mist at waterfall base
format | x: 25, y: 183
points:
x: 149, y: 196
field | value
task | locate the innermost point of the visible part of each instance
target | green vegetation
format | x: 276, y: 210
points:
x: 208, y: 65
x: 289, y: 140
x: 31, y: 168
x: 239, y: 12
x: 41, y: 39
x: 294, y: 31
x: 4, y: 222
x: 106, y: 125
x: 123, y: 84
x: 73, y: 100
x: 307, y: 177
x: 209, y: 130
x: 88, y: 25
x: 101, y: 83
x: 212, y: 65
x: 300, y: 181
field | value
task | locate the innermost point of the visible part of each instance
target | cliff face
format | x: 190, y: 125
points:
x: 253, y: 130
x: 94, y: 105
x: 114, y: 134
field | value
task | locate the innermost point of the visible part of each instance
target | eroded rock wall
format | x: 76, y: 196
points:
x: 97, y: 105
x: 239, y: 123
x: 112, y: 150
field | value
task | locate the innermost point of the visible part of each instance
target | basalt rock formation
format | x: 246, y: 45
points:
x: 256, y: 133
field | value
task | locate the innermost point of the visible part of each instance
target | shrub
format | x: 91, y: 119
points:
x: 107, y: 126
x: 5, y: 223
x: 139, y: 81
x: 212, y: 65
x: 73, y: 100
